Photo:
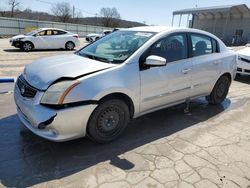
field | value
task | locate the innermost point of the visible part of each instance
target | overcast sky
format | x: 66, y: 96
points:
x: 156, y: 12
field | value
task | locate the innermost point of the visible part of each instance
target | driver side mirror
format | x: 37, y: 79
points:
x: 155, y: 61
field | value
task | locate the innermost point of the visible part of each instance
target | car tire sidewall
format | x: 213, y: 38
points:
x: 67, y: 43
x: 92, y: 127
x: 214, y: 98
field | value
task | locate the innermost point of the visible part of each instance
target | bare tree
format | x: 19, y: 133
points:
x: 110, y: 17
x: 14, y: 5
x: 62, y: 11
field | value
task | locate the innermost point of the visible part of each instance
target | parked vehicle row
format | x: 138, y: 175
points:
x: 99, y: 88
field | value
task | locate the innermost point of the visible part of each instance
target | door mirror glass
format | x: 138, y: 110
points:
x: 155, y: 61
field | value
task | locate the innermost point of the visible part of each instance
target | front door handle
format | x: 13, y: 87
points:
x: 185, y: 71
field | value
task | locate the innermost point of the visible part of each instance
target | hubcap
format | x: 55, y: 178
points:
x: 70, y: 46
x: 27, y: 46
x: 108, y: 120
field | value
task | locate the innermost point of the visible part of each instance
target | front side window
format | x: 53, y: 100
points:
x: 115, y: 47
x: 42, y: 33
x: 201, y: 45
x: 172, y: 48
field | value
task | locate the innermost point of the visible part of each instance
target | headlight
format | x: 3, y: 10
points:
x: 57, y: 92
x: 18, y: 39
x: 243, y: 59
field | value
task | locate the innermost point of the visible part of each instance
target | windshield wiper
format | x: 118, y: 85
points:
x: 90, y: 56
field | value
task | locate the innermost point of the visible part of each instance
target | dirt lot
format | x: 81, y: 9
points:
x: 208, y: 147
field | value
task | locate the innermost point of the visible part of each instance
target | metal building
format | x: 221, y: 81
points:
x: 231, y: 23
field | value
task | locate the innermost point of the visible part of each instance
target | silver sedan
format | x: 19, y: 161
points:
x: 126, y: 74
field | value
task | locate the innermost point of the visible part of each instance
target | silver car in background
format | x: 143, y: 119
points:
x: 97, y: 90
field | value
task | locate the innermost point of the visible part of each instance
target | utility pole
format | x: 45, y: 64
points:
x: 73, y: 15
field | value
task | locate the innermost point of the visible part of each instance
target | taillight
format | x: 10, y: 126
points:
x: 76, y: 36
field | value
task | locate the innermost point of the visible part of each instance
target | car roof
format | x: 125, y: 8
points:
x: 159, y: 29
x: 51, y: 28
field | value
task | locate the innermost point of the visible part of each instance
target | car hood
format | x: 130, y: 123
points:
x: 18, y: 36
x: 245, y: 51
x: 43, y: 72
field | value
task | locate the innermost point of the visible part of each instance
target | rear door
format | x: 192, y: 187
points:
x: 60, y: 38
x: 206, y: 63
x: 166, y: 84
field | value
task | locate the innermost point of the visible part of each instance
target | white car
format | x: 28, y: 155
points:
x: 46, y: 38
x: 243, y: 64
x: 95, y: 36
x: 97, y: 90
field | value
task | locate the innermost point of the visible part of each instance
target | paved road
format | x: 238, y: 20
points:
x: 208, y: 147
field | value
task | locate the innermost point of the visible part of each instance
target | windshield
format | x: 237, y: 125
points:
x: 115, y: 47
x: 32, y: 32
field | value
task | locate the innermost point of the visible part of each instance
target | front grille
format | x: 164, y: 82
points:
x: 26, y: 90
x: 248, y: 71
x: 239, y: 69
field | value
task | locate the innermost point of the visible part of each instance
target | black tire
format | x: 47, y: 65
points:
x: 69, y: 45
x: 219, y: 91
x: 27, y: 46
x: 238, y: 75
x: 108, y: 121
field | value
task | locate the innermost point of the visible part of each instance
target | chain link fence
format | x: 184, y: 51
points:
x: 14, y: 26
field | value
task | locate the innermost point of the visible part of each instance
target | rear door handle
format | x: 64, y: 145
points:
x: 185, y: 71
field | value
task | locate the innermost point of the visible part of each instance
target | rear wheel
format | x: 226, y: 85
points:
x: 108, y: 121
x: 27, y: 46
x: 69, y: 45
x: 219, y: 91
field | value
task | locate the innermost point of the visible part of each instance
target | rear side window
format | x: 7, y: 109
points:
x: 172, y: 48
x: 216, y: 48
x: 58, y: 32
x: 201, y: 45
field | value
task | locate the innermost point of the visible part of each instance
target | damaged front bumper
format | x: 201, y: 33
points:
x: 52, y: 124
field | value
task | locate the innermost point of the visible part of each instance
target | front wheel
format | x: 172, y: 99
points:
x: 108, y: 121
x: 27, y: 46
x: 219, y: 91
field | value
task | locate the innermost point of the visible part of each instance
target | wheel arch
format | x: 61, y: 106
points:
x: 228, y: 75
x: 29, y: 42
x: 122, y: 97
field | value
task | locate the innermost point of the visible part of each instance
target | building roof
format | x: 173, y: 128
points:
x: 240, y: 8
